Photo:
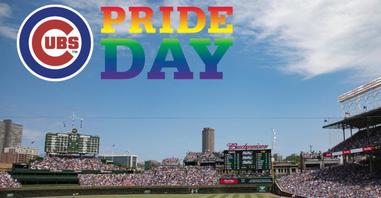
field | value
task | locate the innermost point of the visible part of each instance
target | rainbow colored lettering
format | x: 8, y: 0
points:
x: 141, y: 22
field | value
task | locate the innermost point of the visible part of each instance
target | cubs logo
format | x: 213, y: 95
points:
x: 55, y: 43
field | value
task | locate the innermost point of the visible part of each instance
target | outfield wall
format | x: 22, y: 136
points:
x: 69, y: 191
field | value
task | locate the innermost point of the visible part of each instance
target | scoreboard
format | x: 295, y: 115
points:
x: 71, y: 143
x: 248, y: 159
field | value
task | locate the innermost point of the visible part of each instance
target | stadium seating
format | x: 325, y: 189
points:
x: 351, y: 180
x: 203, y: 158
x: 6, y: 181
x: 360, y: 140
x: 172, y: 161
x: 161, y: 176
x: 74, y: 163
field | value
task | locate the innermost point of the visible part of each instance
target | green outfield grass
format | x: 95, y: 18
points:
x: 238, y: 195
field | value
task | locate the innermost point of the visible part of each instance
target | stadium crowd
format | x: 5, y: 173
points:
x: 172, y: 161
x: 160, y: 176
x: 247, y: 173
x: 206, y: 157
x: 66, y: 163
x: 352, y: 180
x: 360, y: 140
x: 6, y: 181
x: 191, y: 156
x: 211, y: 156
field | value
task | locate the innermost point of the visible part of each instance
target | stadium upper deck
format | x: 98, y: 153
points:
x: 360, y: 121
x: 368, y: 134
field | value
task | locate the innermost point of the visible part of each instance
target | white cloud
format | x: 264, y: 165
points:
x: 6, y: 30
x: 4, y: 10
x: 314, y: 37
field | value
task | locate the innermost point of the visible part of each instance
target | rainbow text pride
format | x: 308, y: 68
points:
x: 140, y: 21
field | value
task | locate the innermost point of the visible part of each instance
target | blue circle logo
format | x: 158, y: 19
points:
x: 55, y: 43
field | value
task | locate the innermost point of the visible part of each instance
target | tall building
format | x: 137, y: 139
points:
x: 71, y: 143
x: 10, y: 134
x: 18, y: 155
x: 207, y: 140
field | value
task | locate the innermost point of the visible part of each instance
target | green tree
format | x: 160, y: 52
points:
x: 293, y: 158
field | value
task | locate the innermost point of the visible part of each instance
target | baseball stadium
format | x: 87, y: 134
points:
x: 190, y: 99
x: 72, y: 166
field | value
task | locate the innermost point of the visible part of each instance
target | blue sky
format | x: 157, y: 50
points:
x: 282, y: 72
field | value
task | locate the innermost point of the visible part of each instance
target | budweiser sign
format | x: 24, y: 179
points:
x: 235, y: 146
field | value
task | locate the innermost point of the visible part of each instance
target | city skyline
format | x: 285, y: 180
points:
x: 207, y: 141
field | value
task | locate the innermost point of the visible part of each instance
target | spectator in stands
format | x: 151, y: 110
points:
x: 65, y: 163
x: 248, y: 174
x: 360, y: 139
x: 206, y: 157
x: 161, y: 176
x: 173, y: 161
x: 6, y: 181
x: 352, y: 180
x: 191, y: 156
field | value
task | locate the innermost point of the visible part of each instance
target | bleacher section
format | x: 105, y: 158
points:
x: 360, y: 140
x: 72, y: 163
x: 215, y: 159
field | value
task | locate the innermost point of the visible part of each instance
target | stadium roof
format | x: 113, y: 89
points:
x: 360, y: 121
x: 374, y: 84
